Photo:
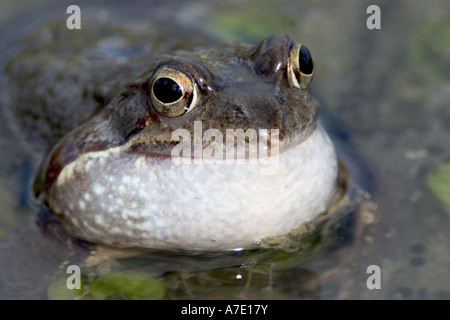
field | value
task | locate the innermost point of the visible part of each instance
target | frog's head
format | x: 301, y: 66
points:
x: 237, y: 86
x: 114, y: 179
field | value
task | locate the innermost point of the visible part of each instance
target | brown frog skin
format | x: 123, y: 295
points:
x: 114, y: 181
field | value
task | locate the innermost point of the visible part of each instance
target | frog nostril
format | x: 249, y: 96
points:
x: 237, y: 112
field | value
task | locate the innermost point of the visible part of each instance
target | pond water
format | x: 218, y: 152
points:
x: 384, y: 92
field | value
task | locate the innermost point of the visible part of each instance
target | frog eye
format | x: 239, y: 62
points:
x: 300, y: 67
x: 173, y: 92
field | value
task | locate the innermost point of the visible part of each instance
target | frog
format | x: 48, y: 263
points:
x: 109, y: 102
x: 115, y: 182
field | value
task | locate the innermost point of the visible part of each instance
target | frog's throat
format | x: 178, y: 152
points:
x: 130, y: 200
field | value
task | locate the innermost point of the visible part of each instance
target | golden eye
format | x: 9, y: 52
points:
x: 300, y: 67
x: 173, y: 92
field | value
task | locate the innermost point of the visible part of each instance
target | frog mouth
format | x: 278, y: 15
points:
x: 257, y: 147
x: 235, y: 147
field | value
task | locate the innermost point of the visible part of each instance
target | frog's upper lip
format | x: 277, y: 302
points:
x: 289, y: 142
x: 261, y: 138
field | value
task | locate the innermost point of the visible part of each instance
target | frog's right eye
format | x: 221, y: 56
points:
x: 173, y: 92
x: 300, y: 66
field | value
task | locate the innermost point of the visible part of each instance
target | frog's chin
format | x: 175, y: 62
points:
x: 130, y: 200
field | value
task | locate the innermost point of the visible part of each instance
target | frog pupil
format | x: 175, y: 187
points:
x: 166, y: 90
x: 305, y: 61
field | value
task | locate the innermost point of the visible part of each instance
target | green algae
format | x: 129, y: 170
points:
x: 438, y: 180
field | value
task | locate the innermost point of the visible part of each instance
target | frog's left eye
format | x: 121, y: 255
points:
x: 173, y: 92
x: 300, y: 66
